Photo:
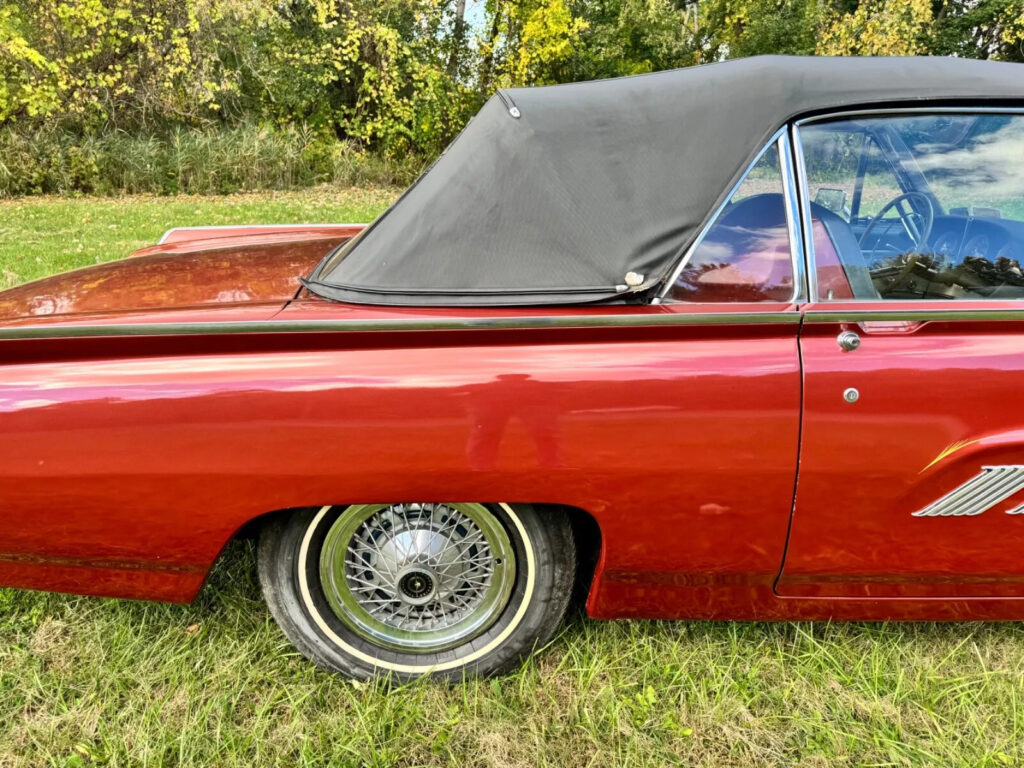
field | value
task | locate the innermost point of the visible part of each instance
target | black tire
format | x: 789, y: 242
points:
x: 290, y: 547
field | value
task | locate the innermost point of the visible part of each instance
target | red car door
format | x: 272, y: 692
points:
x: 911, y: 449
x: 911, y: 479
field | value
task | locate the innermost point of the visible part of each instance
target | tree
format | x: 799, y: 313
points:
x: 739, y: 28
x: 628, y: 37
x: 529, y: 42
x: 879, y: 28
x: 978, y: 29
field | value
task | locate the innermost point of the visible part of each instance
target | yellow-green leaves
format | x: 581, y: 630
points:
x: 879, y: 28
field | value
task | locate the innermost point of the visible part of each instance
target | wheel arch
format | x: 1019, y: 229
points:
x: 585, y: 527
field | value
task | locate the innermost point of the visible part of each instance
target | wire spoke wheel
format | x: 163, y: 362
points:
x: 418, y: 578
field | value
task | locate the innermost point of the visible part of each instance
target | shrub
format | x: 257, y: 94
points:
x: 52, y: 161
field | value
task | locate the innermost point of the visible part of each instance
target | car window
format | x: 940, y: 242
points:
x: 917, y: 206
x: 745, y: 255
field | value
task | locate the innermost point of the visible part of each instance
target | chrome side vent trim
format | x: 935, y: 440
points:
x: 980, y: 493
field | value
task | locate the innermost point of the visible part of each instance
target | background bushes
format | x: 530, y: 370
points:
x: 167, y: 96
x: 192, y: 161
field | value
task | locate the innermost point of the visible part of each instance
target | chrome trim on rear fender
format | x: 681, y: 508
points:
x: 354, y: 326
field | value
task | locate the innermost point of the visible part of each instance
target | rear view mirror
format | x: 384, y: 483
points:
x: 834, y: 200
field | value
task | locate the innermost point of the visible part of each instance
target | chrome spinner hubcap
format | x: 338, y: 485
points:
x: 417, y: 578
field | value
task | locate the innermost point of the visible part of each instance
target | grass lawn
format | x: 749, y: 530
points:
x: 116, y: 683
x: 43, y: 235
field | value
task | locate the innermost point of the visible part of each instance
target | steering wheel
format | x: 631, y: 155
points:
x: 918, y: 225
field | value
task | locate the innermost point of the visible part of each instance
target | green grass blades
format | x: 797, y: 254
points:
x: 90, y: 682
x: 44, y: 235
x: 117, y: 683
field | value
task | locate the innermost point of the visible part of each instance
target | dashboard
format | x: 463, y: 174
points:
x: 967, y: 257
x: 957, y: 238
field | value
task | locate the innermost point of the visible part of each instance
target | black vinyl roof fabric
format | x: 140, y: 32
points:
x: 551, y: 195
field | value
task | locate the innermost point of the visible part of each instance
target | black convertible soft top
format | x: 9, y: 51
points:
x: 552, y: 195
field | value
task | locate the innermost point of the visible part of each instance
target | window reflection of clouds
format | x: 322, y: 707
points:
x: 989, y: 168
x: 745, y: 256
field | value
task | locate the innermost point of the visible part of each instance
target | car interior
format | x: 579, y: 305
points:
x: 909, y: 207
x: 911, y: 246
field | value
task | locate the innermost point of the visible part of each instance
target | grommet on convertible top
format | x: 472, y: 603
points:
x: 510, y: 105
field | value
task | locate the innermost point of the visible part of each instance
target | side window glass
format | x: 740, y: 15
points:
x: 876, y: 185
x: 917, y: 206
x: 746, y: 255
x: 832, y: 171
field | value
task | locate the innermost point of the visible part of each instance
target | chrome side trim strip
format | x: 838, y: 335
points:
x: 334, y: 326
x: 674, y: 275
x: 980, y: 493
x: 919, y: 315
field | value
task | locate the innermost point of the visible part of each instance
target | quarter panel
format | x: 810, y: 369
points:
x: 143, y: 456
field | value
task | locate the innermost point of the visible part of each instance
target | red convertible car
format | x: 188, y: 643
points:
x: 742, y: 341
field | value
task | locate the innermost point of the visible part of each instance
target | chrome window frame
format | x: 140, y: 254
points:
x: 803, y: 185
x: 781, y: 141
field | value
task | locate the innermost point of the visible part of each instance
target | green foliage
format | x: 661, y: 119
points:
x: 90, y: 682
x: 630, y: 37
x: 186, y: 162
x: 879, y: 28
x: 739, y: 28
x: 987, y: 29
x: 393, y: 79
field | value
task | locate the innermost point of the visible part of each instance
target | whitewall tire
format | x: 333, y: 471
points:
x: 413, y: 589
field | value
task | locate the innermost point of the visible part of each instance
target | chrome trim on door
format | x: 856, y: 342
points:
x: 923, y: 315
x: 354, y: 326
x: 980, y: 493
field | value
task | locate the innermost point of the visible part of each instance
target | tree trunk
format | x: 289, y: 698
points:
x: 458, y: 38
x: 487, y: 65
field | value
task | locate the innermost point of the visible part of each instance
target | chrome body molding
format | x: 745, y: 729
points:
x: 982, y: 492
x: 1018, y: 510
x: 460, y: 324
x: 946, y: 315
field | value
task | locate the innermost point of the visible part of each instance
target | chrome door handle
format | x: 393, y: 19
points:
x: 848, y: 341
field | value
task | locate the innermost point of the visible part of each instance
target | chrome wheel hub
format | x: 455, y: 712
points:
x: 417, y: 578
